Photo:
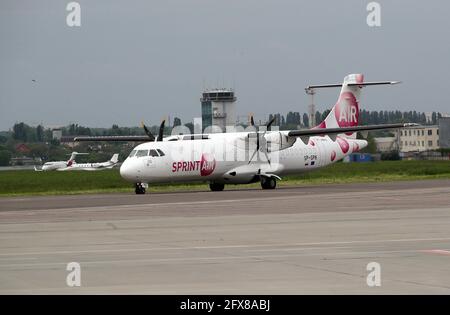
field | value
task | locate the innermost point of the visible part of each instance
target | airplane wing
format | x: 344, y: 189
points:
x: 335, y: 131
x: 145, y: 138
x: 64, y: 169
x: 114, y: 138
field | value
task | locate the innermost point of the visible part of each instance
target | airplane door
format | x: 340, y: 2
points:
x: 321, y: 153
x: 152, y: 159
x: 150, y: 163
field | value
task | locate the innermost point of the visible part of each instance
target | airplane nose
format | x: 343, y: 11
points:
x: 128, y: 171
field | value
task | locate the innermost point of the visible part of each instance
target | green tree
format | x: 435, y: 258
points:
x: 325, y: 114
x: 305, y: 120
x: 5, y: 157
x: 40, y: 133
x: 434, y: 118
x: 318, y: 118
x: 20, y: 132
x: 371, y: 145
x: 176, y: 122
x: 190, y: 126
x: 38, y: 150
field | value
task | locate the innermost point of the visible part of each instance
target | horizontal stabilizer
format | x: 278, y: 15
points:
x: 311, y: 87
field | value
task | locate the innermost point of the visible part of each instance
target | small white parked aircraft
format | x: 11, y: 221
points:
x: 252, y: 156
x: 58, y: 165
x: 93, y: 166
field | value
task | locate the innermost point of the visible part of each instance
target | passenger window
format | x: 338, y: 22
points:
x: 141, y: 153
x: 161, y: 153
x: 153, y: 152
x: 132, y: 153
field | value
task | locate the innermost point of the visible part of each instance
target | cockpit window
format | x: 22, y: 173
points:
x: 140, y: 153
x: 161, y: 153
x: 132, y: 153
x: 153, y: 152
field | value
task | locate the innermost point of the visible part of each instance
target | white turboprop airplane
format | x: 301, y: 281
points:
x: 93, y: 166
x: 58, y: 165
x: 229, y: 158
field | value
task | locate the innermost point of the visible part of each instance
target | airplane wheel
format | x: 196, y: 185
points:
x: 139, y: 189
x: 268, y: 183
x: 216, y: 186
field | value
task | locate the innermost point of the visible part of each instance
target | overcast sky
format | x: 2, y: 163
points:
x: 144, y: 60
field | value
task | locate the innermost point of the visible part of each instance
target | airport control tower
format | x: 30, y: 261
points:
x: 218, y: 108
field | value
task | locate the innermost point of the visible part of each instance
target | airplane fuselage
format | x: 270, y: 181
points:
x: 89, y: 166
x: 53, y: 166
x: 224, y: 158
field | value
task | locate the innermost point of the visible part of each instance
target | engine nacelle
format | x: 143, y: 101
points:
x: 277, y: 141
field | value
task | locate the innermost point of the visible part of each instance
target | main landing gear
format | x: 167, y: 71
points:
x: 139, y: 188
x: 216, y: 186
x: 268, y: 182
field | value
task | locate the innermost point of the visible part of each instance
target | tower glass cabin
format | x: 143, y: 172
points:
x: 218, y: 109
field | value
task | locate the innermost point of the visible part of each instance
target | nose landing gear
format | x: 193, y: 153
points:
x: 139, y: 188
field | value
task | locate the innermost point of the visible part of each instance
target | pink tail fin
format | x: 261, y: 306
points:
x: 345, y: 113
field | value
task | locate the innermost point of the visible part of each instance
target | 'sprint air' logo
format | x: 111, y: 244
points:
x: 205, y: 165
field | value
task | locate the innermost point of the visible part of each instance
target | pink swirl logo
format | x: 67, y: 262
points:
x: 345, y: 146
x: 207, y: 164
x: 333, y: 156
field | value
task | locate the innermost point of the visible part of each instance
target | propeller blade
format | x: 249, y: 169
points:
x: 267, y: 157
x: 270, y: 123
x: 257, y: 146
x: 252, y: 121
x: 161, y: 131
x: 147, y: 132
x: 253, y: 155
x: 257, y: 141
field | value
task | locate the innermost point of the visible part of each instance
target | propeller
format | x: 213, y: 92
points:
x: 160, y: 133
x: 148, y: 132
x: 259, y: 136
x: 270, y: 123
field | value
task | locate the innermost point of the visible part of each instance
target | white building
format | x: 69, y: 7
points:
x: 57, y: 133
x: 420, y: 138
x: 386, y: 144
